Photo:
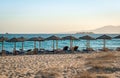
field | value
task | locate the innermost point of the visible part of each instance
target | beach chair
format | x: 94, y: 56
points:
x: 29, y: 52
x: 73, y: 49
x: 76, y: 48
x: 65, y: 49
x: 41, y: 51
x: 3, y: 53
x: 118, y: 49
x: 35, y: 51
x: 15, y: 52
x: 59, y: 51
x: 49, y: 51
x: 21, y: 51
x: 105, y: 49
x: 88, y: 50
x: 8, y: 52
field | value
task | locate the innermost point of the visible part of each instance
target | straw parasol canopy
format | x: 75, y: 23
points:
x: 104, y: 37
x: 41, y: 38
x: 34, y: 39
x: 22, y: 39
x: 117, y: 37
x: 88, y: 38
x: 71, y: 38
x: 2, y: 39
x: 53, y: 37
x: 14, y: 40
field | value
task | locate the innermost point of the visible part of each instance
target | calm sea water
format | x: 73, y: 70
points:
x: 96, y: 44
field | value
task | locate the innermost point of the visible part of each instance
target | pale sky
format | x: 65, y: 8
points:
x: 56, y: 16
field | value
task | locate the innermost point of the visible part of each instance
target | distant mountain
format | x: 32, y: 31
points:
x: 107, y: 30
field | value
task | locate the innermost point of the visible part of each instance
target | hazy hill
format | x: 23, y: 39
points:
x: 107, y: 29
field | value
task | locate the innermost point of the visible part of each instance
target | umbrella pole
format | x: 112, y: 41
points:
x: 71, y: 41
x: 2, y: 46
x: 53, y: 45
x: 15, y: 46
x: 88, y: 43
x: 14, y: 50
x: 39, y: 45
x: 22, y: 46
x: 104, y: 43
x: 34, y: 44
x: 56, y: 44
x: 70, y: 44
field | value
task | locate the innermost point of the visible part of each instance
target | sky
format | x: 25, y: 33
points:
x: 57, y: 16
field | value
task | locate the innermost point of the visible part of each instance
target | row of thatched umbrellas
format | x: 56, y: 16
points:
x: 55, y: 38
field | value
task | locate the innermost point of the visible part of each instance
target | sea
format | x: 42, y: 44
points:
x: 47, y: 45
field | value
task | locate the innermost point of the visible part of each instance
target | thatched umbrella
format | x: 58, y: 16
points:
x: 2, y: 39
x: 22, y: 39
x: 88, y: 38
x: 34, y: 39
x: 53, y: 37
x: 40, y: 39
x: 117, y: 37
x: 14, y: 40
x: 104, y: 37
x: 71, y: 38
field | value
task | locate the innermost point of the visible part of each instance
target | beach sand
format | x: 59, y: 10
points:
x: 79, y: 65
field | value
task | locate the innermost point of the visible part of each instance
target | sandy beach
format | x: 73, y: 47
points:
x: 82, y: 65
x: 59, y: 38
